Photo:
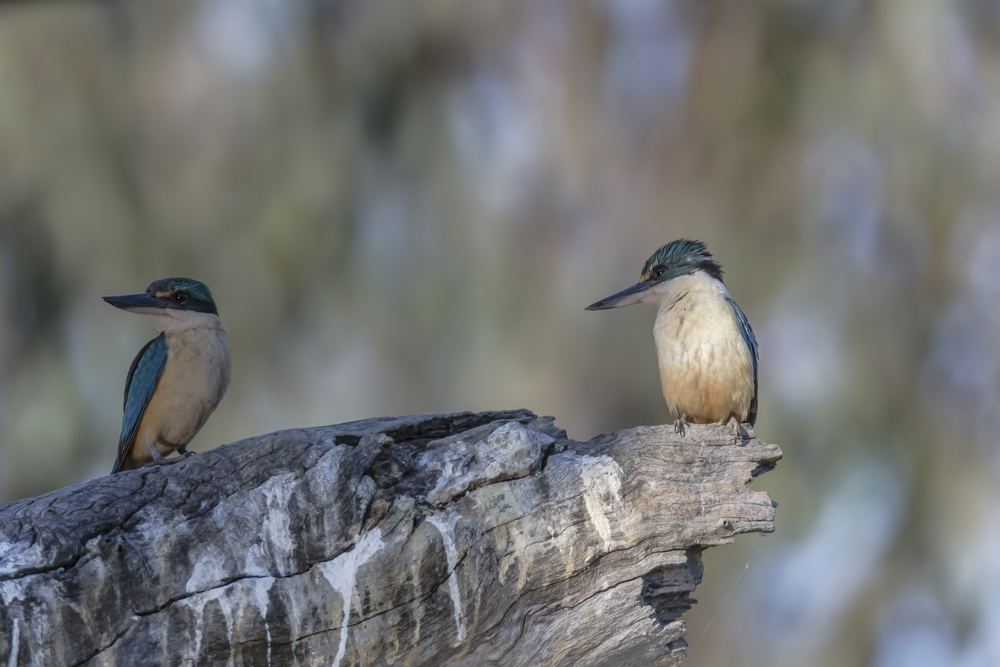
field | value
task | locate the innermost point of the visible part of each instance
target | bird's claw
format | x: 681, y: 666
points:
x: 681, y: 423
x: 163, y: 461
x: 739, y: 433
x: 160, y: 460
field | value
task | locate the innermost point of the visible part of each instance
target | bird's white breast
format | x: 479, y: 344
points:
x: 705, y: 366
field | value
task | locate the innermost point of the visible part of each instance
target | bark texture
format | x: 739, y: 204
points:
x: 462, y: 539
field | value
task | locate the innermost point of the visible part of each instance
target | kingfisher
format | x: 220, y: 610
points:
x: 705, y: 347
x: 178, y: 378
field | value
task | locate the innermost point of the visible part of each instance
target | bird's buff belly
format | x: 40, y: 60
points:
x: 708, y: 382
x: 705, y: 399
x: 178, y: 410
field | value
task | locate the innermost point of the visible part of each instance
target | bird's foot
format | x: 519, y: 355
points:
x: 160, y: 460
x: 739, y: 433
x: 681, y: 424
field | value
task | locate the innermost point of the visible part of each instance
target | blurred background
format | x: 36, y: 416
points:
x: 404, y: 207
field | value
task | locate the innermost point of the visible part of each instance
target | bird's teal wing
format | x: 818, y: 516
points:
x: 143, y: 376
x: 751, y: 342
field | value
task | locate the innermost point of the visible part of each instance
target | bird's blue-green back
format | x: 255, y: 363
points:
x: 143, y: 376
x: 751, y: 342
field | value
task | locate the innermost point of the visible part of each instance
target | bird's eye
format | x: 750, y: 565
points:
x: 181, y: 297
x: 658, y: 272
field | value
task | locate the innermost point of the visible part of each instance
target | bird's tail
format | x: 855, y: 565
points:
x: 124, y: 463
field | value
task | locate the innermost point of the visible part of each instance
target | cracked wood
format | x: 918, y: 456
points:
x: 462, y: 539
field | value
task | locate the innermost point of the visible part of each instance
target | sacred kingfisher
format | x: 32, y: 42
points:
x: 706, y: 349
x: 178, y: 378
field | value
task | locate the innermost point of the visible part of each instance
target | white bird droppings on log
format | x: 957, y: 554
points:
x: 342, y: 572
x: 15, y: 643
x: 196, y: 603
x: 274, y: 528
x: 446, y: 526
x: 602, y: 493
x: 17, y: 555
x: 260, y: 595
x: 208, y: 570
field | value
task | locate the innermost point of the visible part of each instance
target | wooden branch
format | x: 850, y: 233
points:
x: 463, y: 539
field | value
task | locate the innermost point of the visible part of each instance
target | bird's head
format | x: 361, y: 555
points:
x: 677, y: 258
x: 179, y: 300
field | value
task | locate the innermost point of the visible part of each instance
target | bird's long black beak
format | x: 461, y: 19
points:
x: 135, y: 301
x: 626, y: 297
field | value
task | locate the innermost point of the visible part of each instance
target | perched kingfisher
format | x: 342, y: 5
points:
x: 704, y: 344
x: 178, y: 378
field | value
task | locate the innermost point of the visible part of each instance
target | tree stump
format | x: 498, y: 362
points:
x: 462, y: 539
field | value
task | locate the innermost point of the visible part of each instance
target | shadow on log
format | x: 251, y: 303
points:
x: 463, y: 539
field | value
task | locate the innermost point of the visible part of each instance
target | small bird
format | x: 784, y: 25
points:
x: 178, y: 378
x: 706, y: 349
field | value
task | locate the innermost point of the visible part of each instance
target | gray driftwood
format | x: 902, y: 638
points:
x: 463, y: 539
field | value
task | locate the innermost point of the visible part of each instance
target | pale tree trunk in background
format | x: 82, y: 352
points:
x: 463, y: 539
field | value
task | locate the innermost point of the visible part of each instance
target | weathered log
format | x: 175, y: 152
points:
x: 463, y: 539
